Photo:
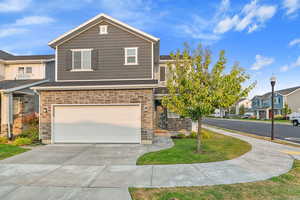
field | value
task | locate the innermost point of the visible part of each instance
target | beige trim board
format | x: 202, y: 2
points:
x: 95, y: 87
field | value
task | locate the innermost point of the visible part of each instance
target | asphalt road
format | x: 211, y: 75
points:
x: 282, y: 131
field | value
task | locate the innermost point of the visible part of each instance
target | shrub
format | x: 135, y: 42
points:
x: 32, y: 133
x: 181, y: 135
x: 193, y: 134
x: 278, y: 117
x: 3, y: 140
x: 204, y: 135
x: 22, y: 141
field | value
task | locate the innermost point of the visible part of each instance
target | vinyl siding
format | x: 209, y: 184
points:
x: 11, y: 71
x: 110, y: 55
x: 50, y: 71
x: 293, y: 100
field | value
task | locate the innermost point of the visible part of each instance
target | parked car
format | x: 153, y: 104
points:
x: 295, y: 119
x: 247, y: 115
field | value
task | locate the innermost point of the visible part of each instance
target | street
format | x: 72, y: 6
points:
x: 282, y: 131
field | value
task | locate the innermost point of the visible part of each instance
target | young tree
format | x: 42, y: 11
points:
x: 286, y: 110
x: 195, y: 89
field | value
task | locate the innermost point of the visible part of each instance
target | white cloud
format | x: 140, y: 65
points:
x: 284, y: 68
x: 203, y: 28
x: 291, y: 6
x: 295, y: 42
x: 226, y: 24
x: 33, y: 20
x: 291, y: 66
x: 252, y: 17
x: 11, y: 31
x: 14, y: 5
x: 261, y: 61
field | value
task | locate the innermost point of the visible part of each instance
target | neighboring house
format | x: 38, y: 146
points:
x: 244, y: 102
x: 17, y: 75
x: 108, y: 85
x: 262, y: 104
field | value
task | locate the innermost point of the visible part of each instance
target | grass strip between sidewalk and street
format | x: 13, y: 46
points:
x: 285, y: 186
x: 278, y: 141
x: 8, y: 150
x: 217, y: 148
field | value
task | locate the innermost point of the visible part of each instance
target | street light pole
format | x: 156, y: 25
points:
x: 273, y: 81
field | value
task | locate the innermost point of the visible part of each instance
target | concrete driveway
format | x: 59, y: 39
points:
x: 75, y: 171
x: 67, y: 172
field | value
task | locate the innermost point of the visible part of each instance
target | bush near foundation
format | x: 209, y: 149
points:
x: 3, y: 140
x: 32, y: 130
x: 22, y: 141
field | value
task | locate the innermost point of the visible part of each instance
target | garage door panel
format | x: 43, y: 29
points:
x: 97, y: 124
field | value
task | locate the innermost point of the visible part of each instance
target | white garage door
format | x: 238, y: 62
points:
x: 97, y: 124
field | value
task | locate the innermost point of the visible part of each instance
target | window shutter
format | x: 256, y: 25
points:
x: 162, y: 73
x: 95, y: 59
x: 68, y: 64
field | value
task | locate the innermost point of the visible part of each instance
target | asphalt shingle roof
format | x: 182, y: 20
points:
x: 8, y: 84
x: 7, y: 56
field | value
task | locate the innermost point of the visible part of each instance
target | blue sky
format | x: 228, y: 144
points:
x: 262, y: 35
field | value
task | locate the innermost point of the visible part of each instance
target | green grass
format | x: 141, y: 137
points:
x: 284, y: 187
x: 7, y: 150
x: 217, y: 148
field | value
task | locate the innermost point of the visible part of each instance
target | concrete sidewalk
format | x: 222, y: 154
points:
x: 72, y: 180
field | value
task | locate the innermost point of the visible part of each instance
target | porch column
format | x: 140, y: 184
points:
x: 267, y: 114
x: 257, y: 114
x: 6, y: 112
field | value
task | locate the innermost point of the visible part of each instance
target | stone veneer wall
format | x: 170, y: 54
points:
x: 143, y: 96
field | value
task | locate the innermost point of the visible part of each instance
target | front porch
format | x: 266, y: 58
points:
x: 266, y: 113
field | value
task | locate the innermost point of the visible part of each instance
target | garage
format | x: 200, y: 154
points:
x: 96, y: 123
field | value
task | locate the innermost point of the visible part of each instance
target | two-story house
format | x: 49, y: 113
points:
x: 262, y: 104
x: 17, y: 75
x: 107, y: 74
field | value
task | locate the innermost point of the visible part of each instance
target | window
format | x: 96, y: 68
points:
x: 28, y: 70
x: 173, y: 115
x: 103, y: 29
x: 21, y: 70
x: 131, y: 56
x: 81, y: 59
x: 24, y: 72
x: 162, y: 73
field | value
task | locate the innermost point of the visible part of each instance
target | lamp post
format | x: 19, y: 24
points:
x: 273, y: 81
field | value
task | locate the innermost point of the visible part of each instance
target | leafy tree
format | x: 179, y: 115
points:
x: 286, y: 110
x: 196, y: 89
x: 242, y: 110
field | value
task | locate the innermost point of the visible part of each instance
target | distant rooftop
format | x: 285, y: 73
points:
x: 282, y: 92
x: 7, y: 56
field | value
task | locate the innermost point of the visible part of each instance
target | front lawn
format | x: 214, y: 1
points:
x: 7, y: 150
x: 217, y: 148
x: 284, y: 187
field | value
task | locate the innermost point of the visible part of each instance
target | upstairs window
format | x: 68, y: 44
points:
x: 24, y: 72
x: 81, y: 59
x: 103, y: 29
x: 131, y: 56
x: 162, y: 74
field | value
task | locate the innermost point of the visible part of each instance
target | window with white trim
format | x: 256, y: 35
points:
x: 131, y: 56
x: 102, y: 29
x: 81, y: 59
x: 24, y: 72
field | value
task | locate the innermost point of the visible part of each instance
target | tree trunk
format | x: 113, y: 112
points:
x: 199, y: 135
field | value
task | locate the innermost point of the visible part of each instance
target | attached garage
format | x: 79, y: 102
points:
x: 96, y: 123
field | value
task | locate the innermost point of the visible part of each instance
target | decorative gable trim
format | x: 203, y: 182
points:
x: 128, y: 28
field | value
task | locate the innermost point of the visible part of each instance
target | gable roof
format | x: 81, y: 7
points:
x: 94, y: 21
x: 4, y: 55
x: 283, y: 92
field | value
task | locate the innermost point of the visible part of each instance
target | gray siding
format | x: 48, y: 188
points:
x: 111, y: 59
x: 50, y: 71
